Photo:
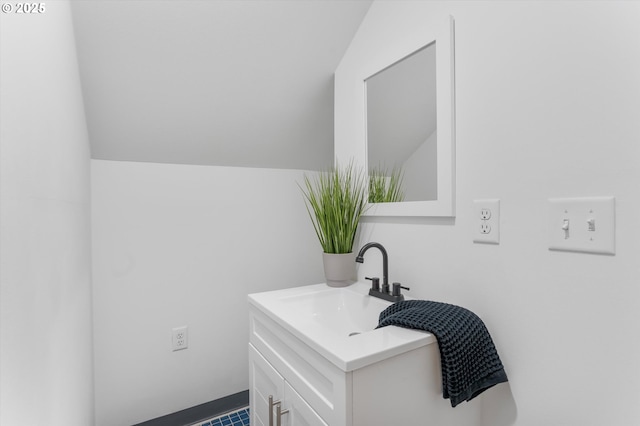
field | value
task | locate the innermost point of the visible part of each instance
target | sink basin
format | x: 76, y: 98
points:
x: 339, y: 323
x: 339, y: 311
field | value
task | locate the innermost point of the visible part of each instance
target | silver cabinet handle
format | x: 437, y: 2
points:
x: 270, y: 410
x: 279, y: 412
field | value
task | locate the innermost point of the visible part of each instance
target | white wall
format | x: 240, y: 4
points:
x: 183, y: 245
x: 45, y: 288
x: 548, y: 100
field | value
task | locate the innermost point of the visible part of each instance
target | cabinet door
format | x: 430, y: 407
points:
x: 264, y: 380
x: 300, y: 413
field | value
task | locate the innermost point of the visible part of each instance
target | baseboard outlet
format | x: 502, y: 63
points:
x: 202, y: 412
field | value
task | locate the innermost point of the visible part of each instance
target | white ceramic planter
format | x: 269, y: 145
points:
x: 339, y: 269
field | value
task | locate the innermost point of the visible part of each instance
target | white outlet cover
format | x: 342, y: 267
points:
x: 589, y: 223
x: 180, y: 338
x: 486, y: 215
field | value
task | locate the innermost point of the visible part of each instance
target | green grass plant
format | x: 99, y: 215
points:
x: 335, y: 200
x: 385, y: 187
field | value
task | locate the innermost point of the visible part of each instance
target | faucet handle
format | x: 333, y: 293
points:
x: 375, y: 283
x: 396, y: 289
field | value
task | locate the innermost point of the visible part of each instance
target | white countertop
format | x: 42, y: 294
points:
x: 323, y: 317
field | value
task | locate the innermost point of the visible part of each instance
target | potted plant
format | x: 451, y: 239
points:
x: 335, y: 200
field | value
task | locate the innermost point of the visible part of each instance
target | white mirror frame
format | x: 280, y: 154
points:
x: 444, y: 206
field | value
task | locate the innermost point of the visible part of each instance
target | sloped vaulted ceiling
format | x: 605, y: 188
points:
x: 215, y: 82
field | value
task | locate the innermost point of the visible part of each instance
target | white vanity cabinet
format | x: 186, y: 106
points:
x: 311, y: 391
x: 322, y: 376
x: 271, y: 393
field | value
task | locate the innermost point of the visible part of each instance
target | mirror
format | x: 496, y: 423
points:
x: 409, y: 126
x: 401, y: 124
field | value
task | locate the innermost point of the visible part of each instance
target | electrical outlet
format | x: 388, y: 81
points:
x: 486, y: 221
x: 485, y: 228
x: 179, y: 338
x: 485, y: 214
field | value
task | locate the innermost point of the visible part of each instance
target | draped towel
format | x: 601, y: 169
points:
x: 470, y: 362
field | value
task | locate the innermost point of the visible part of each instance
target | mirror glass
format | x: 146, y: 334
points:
x: 401, y: 125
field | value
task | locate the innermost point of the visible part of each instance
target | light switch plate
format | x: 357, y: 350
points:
x: 486, y: 221
x: 582, y: 224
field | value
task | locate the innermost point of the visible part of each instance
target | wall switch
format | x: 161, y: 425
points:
x: 582, y: 224
x: 486, y: 221
x: 179, y: 338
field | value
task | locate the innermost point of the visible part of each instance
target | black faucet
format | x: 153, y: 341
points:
x: 376, y: 291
